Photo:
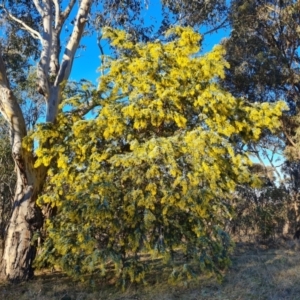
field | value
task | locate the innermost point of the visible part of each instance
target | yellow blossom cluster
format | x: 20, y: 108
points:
x: 151, y: 171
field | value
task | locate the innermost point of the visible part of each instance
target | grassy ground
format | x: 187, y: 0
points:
x: 256, y: 273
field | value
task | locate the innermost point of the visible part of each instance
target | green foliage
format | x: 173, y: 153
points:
x: 263, y: 53
x: 150, y: 173
x: 19, y: 49
x: 7, y: 179
x: 195, y: 12
x: 263, y: 50
x: 130, y: 15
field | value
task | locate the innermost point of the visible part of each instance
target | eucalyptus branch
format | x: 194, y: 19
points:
x: 11, y: 111
x: 38, y: 7
x: 101, y: 51
x: 35, y: 34
x: 44, y: 63
x: 57, y: 13
x: 271, y: 162
x: 221, y: 25
x: 68, y: 57
x: 65, y: 14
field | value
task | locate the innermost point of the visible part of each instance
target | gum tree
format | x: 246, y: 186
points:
x: 52, y: 70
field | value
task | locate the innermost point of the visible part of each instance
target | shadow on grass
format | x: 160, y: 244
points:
x: 256, y: 273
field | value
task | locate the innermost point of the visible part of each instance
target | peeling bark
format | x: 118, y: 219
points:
x: 19, y: 252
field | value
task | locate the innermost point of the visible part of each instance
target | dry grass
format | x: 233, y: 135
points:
x: 256, y: 273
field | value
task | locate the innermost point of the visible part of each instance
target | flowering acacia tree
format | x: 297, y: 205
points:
x: 150, y: 171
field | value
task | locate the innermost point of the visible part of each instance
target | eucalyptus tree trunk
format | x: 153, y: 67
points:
x: 19, y: 250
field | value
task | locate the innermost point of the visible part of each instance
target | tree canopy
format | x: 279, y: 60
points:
x: 263, y: 53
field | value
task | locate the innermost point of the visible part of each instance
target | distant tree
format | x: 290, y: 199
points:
x: 262, y: 50
x: 151, y: 170
x: 262, y: 213
x: 129, y: 15
x: 263, y: 53
x: 264, y: 58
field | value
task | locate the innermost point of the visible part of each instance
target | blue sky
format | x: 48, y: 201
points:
x: 87, y: 61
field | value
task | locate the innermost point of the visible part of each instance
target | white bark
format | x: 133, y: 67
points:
x: 18, y: 252
x: 39, y: 8
x: 43, y: 67
x: 60, y: 19
x: 11, y: 111
x: 50, y: 73
x: 57, y: 12
x: 67, y: 61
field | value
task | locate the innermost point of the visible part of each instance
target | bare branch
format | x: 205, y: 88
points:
x: 57, y: 13
x: 60, y: 19
x: 35, y: 34
x: 38, y: 7
x: 287, y: 135
x: 271, y: 163
x: 101, y: 51
x: 73, y: 43
x: 44, y: 63
x: 260, y: 159
x: 221, y: 25
x: 68, y: 58
x: 65, y: 14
